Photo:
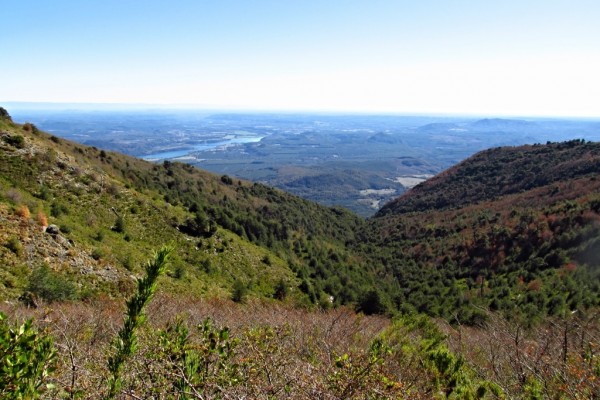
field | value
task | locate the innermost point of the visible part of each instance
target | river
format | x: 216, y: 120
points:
x: 201, y: 147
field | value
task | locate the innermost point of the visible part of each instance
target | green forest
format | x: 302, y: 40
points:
x: 122, y: 278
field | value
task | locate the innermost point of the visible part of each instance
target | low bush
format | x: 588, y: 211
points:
x: 239, y: 291
x: 97, y: 253
x: 29, y: 127
x: 51, y: 286
x: 15, y: 246
x: 17, y: 141
x: 23, y: 212
x: 119, y: 225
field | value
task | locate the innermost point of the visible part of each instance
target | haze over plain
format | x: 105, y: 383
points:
x: 463, y: 57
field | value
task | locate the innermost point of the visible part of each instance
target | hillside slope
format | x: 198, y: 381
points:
x: 510, y: 229
x: 500, y: 171
x: 110, y: 210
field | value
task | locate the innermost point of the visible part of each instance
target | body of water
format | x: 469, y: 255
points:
x: 200, y: 147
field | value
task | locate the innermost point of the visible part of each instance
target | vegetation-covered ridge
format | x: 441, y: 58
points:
x: 500, y: 171
x: 520, y: 242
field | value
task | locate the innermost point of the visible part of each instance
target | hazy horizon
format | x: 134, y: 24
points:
x: 535, y: 58
x: 23, y: 107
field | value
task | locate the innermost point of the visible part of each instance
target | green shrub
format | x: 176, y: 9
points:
x: 206, y: 265
x: 199, y: 226
x: 204, y: 368
x: 97, y: 254
x: 26, y: 359
x: 178, y: 271
x: 239, y: 291
x: 17, y: 141
x: 281, y: 290
x: 357, y: 372
x: 15, y: 246
x: 127, y: 263
x: 58, y: 209
x: 44, y: 193
x: 372, y: 302
x: 99, y: 236
x: 51, y: 286
x: 119, y: 225
x: 126, y: 342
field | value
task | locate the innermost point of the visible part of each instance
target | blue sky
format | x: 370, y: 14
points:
x: 524, y: 57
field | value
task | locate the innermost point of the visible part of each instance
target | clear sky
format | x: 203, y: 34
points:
x: 509, y: 57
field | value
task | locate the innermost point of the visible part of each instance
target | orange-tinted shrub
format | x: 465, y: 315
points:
x: 23, y: 212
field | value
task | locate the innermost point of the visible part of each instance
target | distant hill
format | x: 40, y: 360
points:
x: 501, y: 124
x: 440, y: 127
x: 485, y: 125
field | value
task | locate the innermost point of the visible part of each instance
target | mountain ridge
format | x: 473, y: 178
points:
x: 500, y: 171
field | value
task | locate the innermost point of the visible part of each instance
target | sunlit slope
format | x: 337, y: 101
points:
x: 112, y: 210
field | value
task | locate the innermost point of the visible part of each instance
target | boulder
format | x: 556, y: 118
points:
x: 53, y: 229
